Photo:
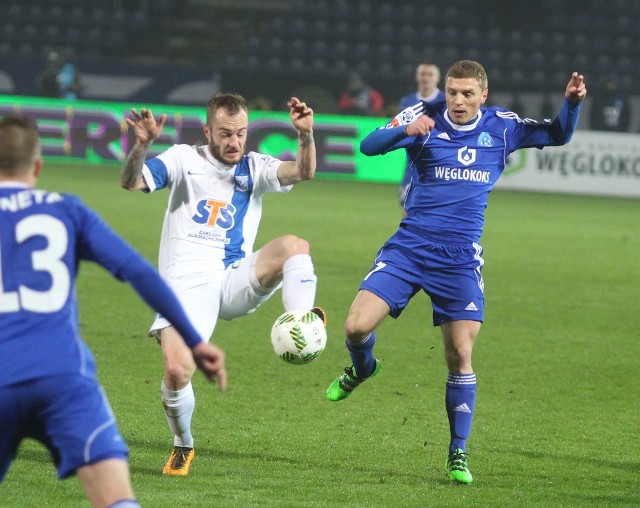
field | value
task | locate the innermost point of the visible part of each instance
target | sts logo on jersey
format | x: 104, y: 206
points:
x: 214, y: 213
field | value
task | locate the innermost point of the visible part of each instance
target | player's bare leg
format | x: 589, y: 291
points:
x: 107, y: 482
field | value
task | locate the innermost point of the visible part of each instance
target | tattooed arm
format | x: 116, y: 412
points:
x: 304, y: 167
x: 146, y: 130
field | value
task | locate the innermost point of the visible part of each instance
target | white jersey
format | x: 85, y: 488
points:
x: 214, y: 209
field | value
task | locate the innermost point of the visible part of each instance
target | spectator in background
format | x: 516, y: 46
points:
x: 609, y: 108
x: 48, y: 79
x: 60, y: 78
x: 359, y: 98
x: 427, y: 80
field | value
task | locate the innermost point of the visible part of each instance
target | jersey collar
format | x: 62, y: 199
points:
x: 467, y: 126
x: 13, y: 184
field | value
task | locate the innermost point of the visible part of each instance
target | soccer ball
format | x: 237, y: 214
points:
x: 298, y: 336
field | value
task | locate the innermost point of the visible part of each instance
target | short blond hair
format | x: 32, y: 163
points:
x: 469, y: 69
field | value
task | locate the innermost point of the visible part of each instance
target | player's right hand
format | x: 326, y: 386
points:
x: 420, y: 126
x: 145, y: 126
x: 210, y: 360
x: 576, y: 89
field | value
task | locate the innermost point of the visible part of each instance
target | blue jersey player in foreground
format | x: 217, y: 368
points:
x: 457, y: 151
x: 48, y: 386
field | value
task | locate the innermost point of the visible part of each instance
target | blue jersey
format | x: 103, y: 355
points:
x: 43, y: 237
x: 414, y: 98
x: 408, y: 101
x: 454, y: 167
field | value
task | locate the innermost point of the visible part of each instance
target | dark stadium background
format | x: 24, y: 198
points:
x: 181, y: 51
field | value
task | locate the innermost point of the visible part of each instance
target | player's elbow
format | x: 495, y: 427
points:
x: 309, y: 174
x: 305, y: 171
x: 562, y: 137
x: 372, y: 146
x: 367, y: 148
x: 133, y: 185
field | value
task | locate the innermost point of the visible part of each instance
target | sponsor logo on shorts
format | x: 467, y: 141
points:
x: 471, y: 307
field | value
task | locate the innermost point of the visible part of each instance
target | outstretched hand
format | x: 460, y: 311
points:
x: 576, y: 89
x: 301, y: 115
x: 210, y: 360
x: 145, y: 126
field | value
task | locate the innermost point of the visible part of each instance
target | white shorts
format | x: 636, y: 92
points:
x: 224, y: 294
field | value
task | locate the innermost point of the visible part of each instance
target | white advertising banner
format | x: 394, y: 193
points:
x: 602, y: 163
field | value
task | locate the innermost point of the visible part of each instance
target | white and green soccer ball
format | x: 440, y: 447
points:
x: 298, y: 336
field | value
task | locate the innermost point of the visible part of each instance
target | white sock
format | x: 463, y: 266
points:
x: 179, y: 405
x: 298, y: 283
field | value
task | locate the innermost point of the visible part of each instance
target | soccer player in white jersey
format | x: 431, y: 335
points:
x: 206, y: 248
x: 457, y: 152
x: 48, y: 385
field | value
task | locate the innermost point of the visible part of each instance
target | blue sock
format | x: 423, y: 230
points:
x: 460, y: 397
x: 362, y: 355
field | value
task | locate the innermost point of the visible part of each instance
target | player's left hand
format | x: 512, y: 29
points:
x: 576, y: 89
x: 301, y: 115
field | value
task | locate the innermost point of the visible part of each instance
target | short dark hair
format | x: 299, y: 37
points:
x: 430, y: 63
x: 232, y: 102
x: 19, y: 144
x: 469, y: 69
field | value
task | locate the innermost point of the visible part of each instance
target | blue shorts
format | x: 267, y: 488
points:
x: 68, y: 414
x: 446, y: 267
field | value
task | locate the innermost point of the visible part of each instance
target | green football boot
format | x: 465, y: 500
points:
x: 457, y: 468
x: 348, y: 381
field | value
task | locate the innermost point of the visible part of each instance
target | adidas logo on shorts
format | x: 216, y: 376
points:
x: 471, y: 306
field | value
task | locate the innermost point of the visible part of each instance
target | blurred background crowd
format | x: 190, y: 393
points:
x: 183, y: 51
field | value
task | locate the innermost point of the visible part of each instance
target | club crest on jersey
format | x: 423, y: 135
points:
x: 241, y: 183
x: 467, y: 155
x: 214, y: 213
x: 406, y: 116
x: 485, y: 139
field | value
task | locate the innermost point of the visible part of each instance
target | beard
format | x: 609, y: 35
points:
x: 229, y: 158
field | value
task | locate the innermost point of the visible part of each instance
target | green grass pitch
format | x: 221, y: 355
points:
x: 557, y: 415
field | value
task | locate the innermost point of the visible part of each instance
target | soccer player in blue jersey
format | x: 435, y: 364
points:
x: 427, y: 80
x: 206, y: 247
x: 457, y: 152
x: 48, y: 386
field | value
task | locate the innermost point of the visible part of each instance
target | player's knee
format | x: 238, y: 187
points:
x: 458, y: 359
x: 177, y: 372
x: 295, y: 245
x: 356, y: 327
